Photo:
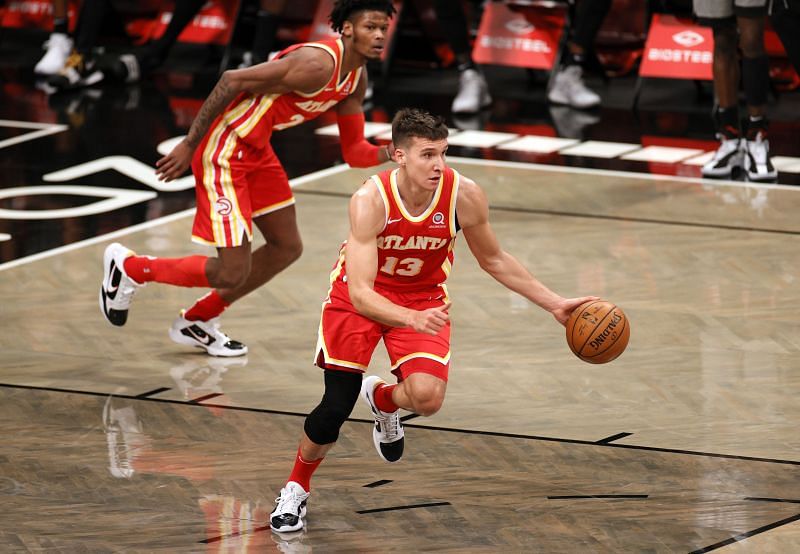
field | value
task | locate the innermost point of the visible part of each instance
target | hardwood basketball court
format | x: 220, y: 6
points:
x: 119, y: 439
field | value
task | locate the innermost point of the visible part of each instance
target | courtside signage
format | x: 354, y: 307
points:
x: 517, y: 38
x: 677, y: 49
x: 213, y: 24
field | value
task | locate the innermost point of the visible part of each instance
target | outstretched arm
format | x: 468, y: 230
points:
x: 357, y: 151
x: 305, y: 69
x: 367, y: 219
x: 473, y: 215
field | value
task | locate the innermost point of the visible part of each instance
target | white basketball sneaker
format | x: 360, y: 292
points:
x: 58, y: 47
x: 290, y: 509
x: 569, y: 89
x: 756, y: 159
x: 473, y: 93
x: 728, y: 156
x: 117, y: 289
x: 206, y: 335
x: 387, y: 435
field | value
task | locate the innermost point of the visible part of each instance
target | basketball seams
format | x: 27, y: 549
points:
x: 575, y: 325
x: 616, y: 342
x: 611, y: 311
x: 598, y: 326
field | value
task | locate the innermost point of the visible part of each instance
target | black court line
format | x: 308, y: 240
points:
x: 159, y: 390
x: 746, y: 535
x: 236, y: 534
x: 790, y: 501
x: 612, y: 438
x: 203, y: 398
x: 426, y: 427
x: 378, y: 483
x: 593, y: 496
x: 558, y: 213
x: 409, y: 416
x: 409, y: 507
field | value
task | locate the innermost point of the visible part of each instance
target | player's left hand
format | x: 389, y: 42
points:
x: 567, y: 306
x: 390, y: 151
x: 174, y: 164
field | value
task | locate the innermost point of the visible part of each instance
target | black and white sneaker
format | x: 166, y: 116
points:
x: 290, y: 509
x: 79, y: 71
x: 728, y: 156
x: 206, y: 335
x: 117, y: 289
x: 756, y: 159
x: 387, y: 435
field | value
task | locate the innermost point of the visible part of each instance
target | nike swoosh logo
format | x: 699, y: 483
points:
x: 111, y: 292
x: 390, y: 221
x: 198, y: 334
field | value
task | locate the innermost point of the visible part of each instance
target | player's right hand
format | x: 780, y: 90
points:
x: 174, y: 164
x: 431, y: 321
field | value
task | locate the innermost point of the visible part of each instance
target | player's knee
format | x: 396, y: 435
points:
x: 427, y: 402
x: 288, y: 248
x: 752, y: 45
x: 725, y: 40
x: 341, y: 392
x: 229, y: 276
x: 293, y: 248
x: 323, y: 423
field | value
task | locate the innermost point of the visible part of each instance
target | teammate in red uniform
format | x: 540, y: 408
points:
x: 239, y: 180
x: 389, y: 283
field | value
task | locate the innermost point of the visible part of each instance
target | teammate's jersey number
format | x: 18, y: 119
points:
x: 296, y: 119
x: 407, y: 267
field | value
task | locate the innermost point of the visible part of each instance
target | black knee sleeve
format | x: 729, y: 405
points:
x: 341, y: 392
x: 755, y: 77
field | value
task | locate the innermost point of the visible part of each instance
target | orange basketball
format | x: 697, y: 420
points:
x: 598, y: 331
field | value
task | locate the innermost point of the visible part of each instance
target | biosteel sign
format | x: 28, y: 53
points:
x: 677, y: 49
x: 508, y: 37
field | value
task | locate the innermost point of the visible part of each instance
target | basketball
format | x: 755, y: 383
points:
x: 598, y: 331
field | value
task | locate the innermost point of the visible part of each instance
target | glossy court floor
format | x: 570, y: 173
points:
x: 116, y: 439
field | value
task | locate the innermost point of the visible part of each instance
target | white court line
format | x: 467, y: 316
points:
x: 466, y: 161
x: 153, y: 223
x: 616, y: 173
x: 44, y: 130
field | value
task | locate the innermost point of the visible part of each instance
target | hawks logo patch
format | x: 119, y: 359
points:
x: 223, y: 206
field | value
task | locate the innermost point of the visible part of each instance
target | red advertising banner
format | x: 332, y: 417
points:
x: 524, y: 38
x: 321, y: 27
x: 677, y: 49
x: 37, y: 14
x: 214, y: 24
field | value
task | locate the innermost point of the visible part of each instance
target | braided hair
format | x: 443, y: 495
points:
x: 344, y: 10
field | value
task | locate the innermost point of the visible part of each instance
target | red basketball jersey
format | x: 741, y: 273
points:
x: 415, y: 253
x: 253, y: 117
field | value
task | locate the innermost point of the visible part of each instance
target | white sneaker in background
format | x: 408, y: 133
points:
x: 756, y: 160
x: 568, y: 88
x: 727, y: 157
x: 473, y: 93
x: 58, y: 48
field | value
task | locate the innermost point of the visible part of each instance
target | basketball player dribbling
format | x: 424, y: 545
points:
x: 389, y: 283
x: 240, y: 181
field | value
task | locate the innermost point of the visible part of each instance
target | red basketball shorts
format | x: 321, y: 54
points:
x: 235, y: 183
x: 347, y: 339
